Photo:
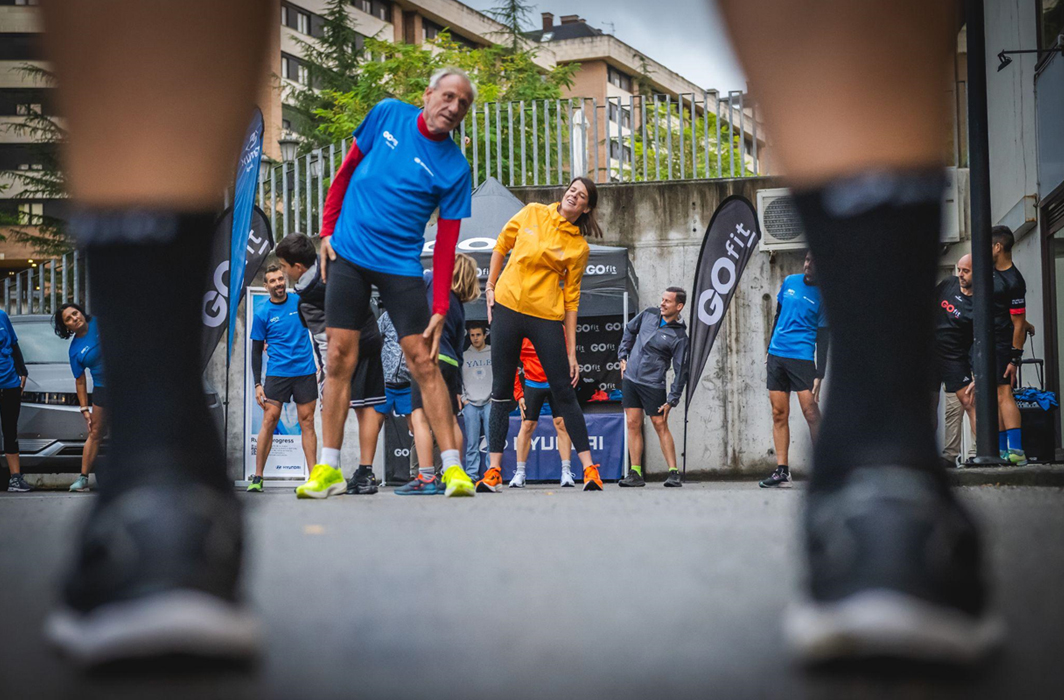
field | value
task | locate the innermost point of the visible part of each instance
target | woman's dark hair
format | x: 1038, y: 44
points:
x: 587, y: 223
x: 297, y: 248
x: 57, y: 319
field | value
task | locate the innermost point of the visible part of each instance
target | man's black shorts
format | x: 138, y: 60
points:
x: 451, y: 378
x: 348, y: 291
x: 534, y: 398
x: 954, y: 373
x: 367, y: 384
x: 788, y: 374
x: 99, y: 397
x: 299, y: 389
x: 648, y: 398
x: 1002, y: 358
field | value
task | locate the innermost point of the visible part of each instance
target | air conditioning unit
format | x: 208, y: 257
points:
x: 782, y: 230
x: 780, y: 227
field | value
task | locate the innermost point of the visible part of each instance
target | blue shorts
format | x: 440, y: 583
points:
x: 396, y: 401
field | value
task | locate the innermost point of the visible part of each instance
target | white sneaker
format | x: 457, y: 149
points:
x: 567, y: 479
x: 518, y: 482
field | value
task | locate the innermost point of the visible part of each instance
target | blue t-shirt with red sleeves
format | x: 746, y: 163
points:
x: 402, y: 177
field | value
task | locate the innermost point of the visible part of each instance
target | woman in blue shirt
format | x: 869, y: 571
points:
x: 13, y: 375
x: 71, y: 321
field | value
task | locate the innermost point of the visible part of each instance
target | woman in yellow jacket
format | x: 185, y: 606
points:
x: 536, y: 297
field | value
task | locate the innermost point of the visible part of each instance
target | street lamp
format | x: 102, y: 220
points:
x: 289, y: 145
x: 264, y: 167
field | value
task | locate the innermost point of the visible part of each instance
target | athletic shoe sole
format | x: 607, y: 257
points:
x: 486, y: 488
x: 888, y: 624
x: 630, y: 486
x: 332, y: 490
x: 356, y: 492
x: 568, y: 486
x: 460, y: 489
x: 673, y: 486
x: 592, y: 486
x: 517, y: 486
x: 781, y: 485
x: 188, y: 623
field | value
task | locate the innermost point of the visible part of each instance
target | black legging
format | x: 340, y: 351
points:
x: 10, y: 407
x: 508, y: 330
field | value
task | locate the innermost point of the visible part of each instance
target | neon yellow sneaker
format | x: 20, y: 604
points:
x: 458, y: 483
x: 324, y: 481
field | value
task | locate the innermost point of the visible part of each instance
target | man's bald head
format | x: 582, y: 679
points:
x: 964, y: 272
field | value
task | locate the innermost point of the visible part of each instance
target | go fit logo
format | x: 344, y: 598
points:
x: 951, y: 309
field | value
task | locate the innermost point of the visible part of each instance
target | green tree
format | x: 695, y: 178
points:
x: 514, y: 15
x: 44, y: 233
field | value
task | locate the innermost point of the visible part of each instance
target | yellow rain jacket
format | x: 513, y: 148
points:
x: 542, y: 277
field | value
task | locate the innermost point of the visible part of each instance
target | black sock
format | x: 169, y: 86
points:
x: 364, y: 470
x: 148, y: 274
x: 875, y: 241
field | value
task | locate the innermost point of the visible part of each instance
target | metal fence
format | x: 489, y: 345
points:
x: 548, y: 142
x: 47, y: 285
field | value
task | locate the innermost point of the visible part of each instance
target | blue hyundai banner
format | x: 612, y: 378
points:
x: 247, y: 177
x: 605, y: 431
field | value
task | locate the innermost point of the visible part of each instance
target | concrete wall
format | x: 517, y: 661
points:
x: 662, y: 225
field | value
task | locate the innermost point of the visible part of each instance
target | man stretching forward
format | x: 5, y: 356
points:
x: 650, y: 340
x: 291, y: 374
x: 402, y: 166
x: 797, y: 357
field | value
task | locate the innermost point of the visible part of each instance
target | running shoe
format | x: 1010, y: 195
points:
x: 18, y: 483
x: 458, y: 483
x: 592, y: 481
x: 1018, y: 458
x: 781, y: 478
x: 362, y: 483
x: 632, y: 478
x: 421, y: 487
x: 492, y: 481
x: 894, y: 572
x: 674, y: 479
x: 567, y: 479
x: 1004, y: 455
x: 255, y: 485
x: 518, y: 482
x: 324, y: 481
x: 156, y: 574
x: 81, y: 484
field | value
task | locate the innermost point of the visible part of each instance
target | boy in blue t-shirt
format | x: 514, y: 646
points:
x: 291, y: 374
x: 797, y: 357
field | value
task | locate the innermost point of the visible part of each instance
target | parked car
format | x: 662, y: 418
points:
x: 51, y: 429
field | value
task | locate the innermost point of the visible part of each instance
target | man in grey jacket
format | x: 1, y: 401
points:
x: 650, y: 342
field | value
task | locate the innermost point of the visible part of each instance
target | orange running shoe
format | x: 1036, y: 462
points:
x: 492, y: 481
x: 592, y: 481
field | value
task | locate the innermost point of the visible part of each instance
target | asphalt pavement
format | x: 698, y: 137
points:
x: 540, y: 593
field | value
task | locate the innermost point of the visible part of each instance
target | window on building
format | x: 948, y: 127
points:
x: 30, y: 213
x: 24, y: 109
x: 380, y: 9
x: 303, y: 23
x: 430, y: 30
x: 1050, y: 22
x: 620, y: 79
x: 20, y: 47
x: 293, y: 69
x: 303, y: 75
x: 286, y: 124
x: 620, y: 115
x: 547, y: 36
x: 615, y: 149
x: 27, y: 3
x: 284, y: 15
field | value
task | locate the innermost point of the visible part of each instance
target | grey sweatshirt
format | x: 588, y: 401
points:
x: 649, y: 347
x: 476, y: 374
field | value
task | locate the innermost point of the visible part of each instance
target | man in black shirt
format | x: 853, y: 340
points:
x: 953, y: 344
x: 1010, y: 332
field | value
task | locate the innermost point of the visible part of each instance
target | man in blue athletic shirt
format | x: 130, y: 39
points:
x: 291, y: 374
x: 402, y: 166
x: 797, y: 357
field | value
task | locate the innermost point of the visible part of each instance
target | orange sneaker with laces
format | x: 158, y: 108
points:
x: 592, y: 481
x: 492, y: 481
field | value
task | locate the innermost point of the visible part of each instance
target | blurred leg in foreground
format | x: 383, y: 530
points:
x: 893, y: 560
x: 156, y: 114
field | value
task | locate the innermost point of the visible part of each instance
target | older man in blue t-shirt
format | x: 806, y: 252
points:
x: 797, y: 357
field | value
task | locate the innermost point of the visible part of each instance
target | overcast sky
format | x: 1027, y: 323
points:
x: 686, y: 36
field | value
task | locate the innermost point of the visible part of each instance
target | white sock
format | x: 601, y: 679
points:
x: 521, y: 467
x: 567, y: 466
x: 330, y: 456
x: 450, y: 458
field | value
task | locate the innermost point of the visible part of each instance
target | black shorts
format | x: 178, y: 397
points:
x: 954, y: 373
x: 99, y: 396
x: 451, y: 378
x: 788, y: 374
x: 367, y: 384
x: 299, y: 389
x: 648, y: 398
x: 1002, y: 359
x: 348, y: 292
x: 534, y: 398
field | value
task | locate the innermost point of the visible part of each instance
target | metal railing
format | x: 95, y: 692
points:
x: 548, y: 142
x: 48, y: 285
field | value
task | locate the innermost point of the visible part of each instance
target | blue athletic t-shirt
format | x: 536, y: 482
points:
x: 9, y: 378
x: 801, y: 314
x: 87, y: 354
x: 290, y: 351
x: 402, y: 178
